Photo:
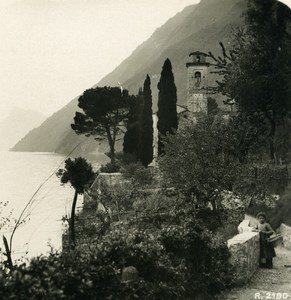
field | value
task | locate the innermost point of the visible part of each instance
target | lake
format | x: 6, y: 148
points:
x: 21, y: 174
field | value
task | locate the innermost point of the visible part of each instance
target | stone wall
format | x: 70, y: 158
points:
x: 286, y: 234
x: 108, y: 179
x: 245, y: 252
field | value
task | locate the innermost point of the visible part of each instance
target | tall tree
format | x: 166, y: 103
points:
x: 78, y: 173
x: 205, y: 164
x: 197, y: 154
x: 146, y: 128
x: 257, y: 68
x: 167, y: 109
x: 132, y: 134
x: 105, y: 111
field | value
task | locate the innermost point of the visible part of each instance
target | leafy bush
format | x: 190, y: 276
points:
x: 138, y: 173
x: 110, y: 168
x: 281, y: 213
x: 176, y: 262
x: 203, y: 254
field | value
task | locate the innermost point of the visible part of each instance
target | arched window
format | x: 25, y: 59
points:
x: 197, y: 78
x: 198, y: 58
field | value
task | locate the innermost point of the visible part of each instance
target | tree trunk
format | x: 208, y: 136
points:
x: 272, y: 138
x: 112, y: 154
x: 111, y: 142
x: 72, y: 236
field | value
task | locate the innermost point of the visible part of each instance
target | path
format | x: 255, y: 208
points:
x: 267, y: 283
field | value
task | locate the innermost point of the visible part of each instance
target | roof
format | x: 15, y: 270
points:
x: 197, y: 64
x: 198, y: 53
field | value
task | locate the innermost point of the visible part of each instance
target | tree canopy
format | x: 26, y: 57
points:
x: 146, y: 138
x: 138, y: 139
x: 131, y: 141
x: 104, y: 111
x: 78, y: 173
x: 256, y: 70
x: 167, y: 104
x: 205, y: 158
x: 202, y: 160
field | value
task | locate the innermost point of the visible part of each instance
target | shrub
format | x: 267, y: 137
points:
x: 203, y: 254
x: 179, y: 261
x: 138, y: 174
x: 281, y: 213
x: 110, y: 168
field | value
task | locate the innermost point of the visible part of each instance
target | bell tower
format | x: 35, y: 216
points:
x: 197, y: 82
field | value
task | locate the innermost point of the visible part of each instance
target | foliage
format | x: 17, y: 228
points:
x: 281, y: 213
x: 138, y: 139
x: 167, y: 104
x: 212, y: 107
x: 247, y: 137
x: 209, y: 159
x: 138, y: 174
x: 78, y: 173
x: 117, y: 200
x: 157, y: 202
x: 256, y: 70
x: 110, y: 168
x: 131, y: 145
x: 199, y: 156
x: 146, y: 134
x: 278, y: 214
x: 7, y: 223
x: 105, y: 110
x: 59, y: 277
x: 179, y: 261
x: 209, y: 262
x: 261, y: 184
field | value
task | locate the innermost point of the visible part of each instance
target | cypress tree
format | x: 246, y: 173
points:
x: 146, y: 128
x: 167, y: 101
x: 131, y: 142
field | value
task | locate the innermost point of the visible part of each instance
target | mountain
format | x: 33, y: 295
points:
x: 18, y: 123
x: 198, y: 27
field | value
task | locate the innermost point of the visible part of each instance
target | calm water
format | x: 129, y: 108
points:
x: 20, y: 176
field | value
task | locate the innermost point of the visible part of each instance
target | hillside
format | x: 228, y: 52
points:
x: 197, y: 27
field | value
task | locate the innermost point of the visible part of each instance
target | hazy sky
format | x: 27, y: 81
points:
x: 52, y: 50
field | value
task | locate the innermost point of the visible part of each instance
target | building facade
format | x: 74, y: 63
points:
x: 197, y: 82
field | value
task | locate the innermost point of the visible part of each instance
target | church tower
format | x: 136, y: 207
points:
x: 197, y: 83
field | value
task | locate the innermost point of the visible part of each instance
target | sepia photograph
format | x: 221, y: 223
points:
x: 145, y: 149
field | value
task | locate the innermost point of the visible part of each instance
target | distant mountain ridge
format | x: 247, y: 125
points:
x: 18, y: 123
x: 197, y: 27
